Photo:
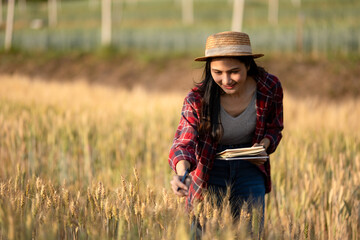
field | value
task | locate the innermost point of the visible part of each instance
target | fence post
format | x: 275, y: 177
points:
x: 52, y: 11
x: 105, y: 22
x: 273, y: 14
x: 187, y: 11
x: 9, y: 24
x: 238, y: 14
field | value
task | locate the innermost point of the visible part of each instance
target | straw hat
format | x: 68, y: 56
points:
x: 228, y: 44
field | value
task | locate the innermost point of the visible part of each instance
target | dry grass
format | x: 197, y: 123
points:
x: 82, y: 161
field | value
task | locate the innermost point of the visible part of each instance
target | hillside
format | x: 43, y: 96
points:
x: 300, y: 77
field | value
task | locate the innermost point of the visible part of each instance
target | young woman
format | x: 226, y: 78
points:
x: 237, y: 104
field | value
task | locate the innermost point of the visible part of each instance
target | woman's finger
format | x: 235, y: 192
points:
x: 258, y: 161
x: 188, y: 182
x: 181, y: 193
x: 263, y: 153
x: 178, y: 187
x: 178, y: 183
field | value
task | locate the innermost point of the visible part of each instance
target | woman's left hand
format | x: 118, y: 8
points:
x: 260, y: 161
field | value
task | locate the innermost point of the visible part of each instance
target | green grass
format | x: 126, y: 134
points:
x: 328, y: 27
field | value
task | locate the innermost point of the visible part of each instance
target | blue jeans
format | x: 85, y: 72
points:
x: 246, y: 184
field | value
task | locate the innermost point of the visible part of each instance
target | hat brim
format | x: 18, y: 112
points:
x: 204, y: 58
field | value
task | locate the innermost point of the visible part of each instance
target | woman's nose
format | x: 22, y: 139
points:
x: 227, y: 79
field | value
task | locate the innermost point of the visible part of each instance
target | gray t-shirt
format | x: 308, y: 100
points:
x: 239, y: 129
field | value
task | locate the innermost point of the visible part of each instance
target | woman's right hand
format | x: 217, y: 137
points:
x: 180, y: 189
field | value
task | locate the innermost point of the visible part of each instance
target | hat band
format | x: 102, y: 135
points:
x: 230, y: 49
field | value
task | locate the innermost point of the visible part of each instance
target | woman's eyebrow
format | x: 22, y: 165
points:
x: 228, y: 70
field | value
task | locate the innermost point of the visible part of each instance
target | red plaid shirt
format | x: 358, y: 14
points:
x: 200, y: 152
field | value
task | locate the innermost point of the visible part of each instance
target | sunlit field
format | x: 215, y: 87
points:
x: 83, y: 161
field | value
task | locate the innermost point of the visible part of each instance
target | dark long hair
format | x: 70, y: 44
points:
x: 210, y: 121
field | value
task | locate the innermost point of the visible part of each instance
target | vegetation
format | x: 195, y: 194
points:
x: 319, y: 27
x: 83, y: 161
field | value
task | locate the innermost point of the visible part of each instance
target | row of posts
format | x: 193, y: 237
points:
x: 187, y: 16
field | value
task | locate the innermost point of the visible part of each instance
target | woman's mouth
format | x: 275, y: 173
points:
x: 229, y: 86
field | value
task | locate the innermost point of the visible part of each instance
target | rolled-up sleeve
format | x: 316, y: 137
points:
x: 274, y: 121
x: 186, y: 136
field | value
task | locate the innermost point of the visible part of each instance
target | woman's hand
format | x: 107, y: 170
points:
x: 259, y: 161
x: 264, y: 143
x: 180, y: 189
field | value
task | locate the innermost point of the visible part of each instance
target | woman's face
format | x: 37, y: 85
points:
x: 229, y: 73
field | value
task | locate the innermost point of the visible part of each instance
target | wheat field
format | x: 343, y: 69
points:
x: 82, y: 161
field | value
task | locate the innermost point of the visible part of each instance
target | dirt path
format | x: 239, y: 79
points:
x: 322, y: 78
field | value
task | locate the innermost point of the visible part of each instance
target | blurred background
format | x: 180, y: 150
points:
x: 316, y: 27
x: 303, y: 40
